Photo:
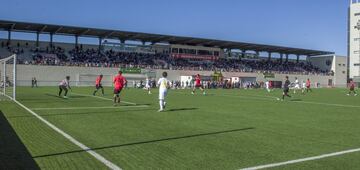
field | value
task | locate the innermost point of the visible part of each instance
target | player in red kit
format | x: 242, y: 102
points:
x: 98, y: 85
x: 352, y: 88
x: 198, y: 84
x: 308, y: 85
x: 119, y: 82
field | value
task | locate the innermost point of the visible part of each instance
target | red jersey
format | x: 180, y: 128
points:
x: 119, y: 82
x: 352, y: 85
x: 308, y: 83
x: 98, y: 80
x: 197, y: 80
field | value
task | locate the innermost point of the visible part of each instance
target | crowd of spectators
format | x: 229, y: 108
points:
x: 109, y: 58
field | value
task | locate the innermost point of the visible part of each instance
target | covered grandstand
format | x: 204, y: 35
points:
x: 159, y: 52
x: 37, y: 28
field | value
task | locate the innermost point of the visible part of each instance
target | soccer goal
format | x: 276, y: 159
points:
x: 8, y: 78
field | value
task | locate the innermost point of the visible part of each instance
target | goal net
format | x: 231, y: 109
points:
x: 8, y: 78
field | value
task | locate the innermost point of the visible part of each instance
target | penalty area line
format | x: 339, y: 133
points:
x: 84, y: 108
x: 302, y: 159
x: 103, y: 98
x: 71, y: 139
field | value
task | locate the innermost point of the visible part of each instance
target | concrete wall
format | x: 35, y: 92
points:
x: 52, y: 75
x: 337, y: 64
x: 175, y: 75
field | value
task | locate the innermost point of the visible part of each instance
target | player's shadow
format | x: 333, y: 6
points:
x: 296, y: 100
x: 13, y: 153
x: 153, y: 141
x: 73, y: 96
x: 181, y: 109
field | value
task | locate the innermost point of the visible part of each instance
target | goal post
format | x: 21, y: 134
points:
x: 8, y: 77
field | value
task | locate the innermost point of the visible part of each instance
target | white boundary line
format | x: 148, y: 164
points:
x: 104, y: 98
x: 327, y: 104
x: 302, y: 160
x: 81, y: 108
x: 73, y: 140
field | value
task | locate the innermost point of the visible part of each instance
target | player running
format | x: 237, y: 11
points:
x: 98, y: 85
x: 148, y: 85
x: 163, y: 85
x: 286, y: 88
x: 296, y: 85
x: 308, y: 86
x: 352, y: 88
x: 267, y: 86
x: 119, y: 82
x: 64, y: 85
x: 198, y: 85
x: 303, y: 87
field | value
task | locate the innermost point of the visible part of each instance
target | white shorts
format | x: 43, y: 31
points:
x: 147, y: 86
x: 162, y: 94
x: 297, y: 86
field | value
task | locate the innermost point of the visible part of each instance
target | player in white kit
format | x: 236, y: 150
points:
x: 64, y: 85
x: 267, y: 86
x: 163, y: 85
x: 303, y: 87
x: 148, y: 85
x: 296, y: 85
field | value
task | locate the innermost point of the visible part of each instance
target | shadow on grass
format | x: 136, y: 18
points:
x: 181, y: 109
x: 13, y: 153
x: 295, y: 100
x: 152, y: 141
x: 71, y: 96
x: 83, y: 113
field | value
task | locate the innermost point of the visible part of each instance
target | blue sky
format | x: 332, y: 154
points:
x: 312, y: 24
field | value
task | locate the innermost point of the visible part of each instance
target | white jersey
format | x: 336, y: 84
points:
x: 267, y: 84
x: 64, y: 82
x: 163, y: 84
x: 297, y: 82
x: 147, y: 85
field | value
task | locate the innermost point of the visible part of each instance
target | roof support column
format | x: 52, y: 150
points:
x: 122, y: 43
x: 76, y: 41
x: 100, y: 43
x: 297, y: 58
x: 243, y: 52
x: 281, y: 57
x: 269, y: 57
x: 51, y: 39
x: 37, y: 39
x: 229, y: 53
x: 9, y: 37
x: 257, y: 53
x: 287, y: 58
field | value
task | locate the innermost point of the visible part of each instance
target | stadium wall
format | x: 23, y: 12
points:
x: 51, y: 75
x: 323, y: 80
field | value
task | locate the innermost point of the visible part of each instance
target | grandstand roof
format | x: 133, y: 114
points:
x: 146, y: 37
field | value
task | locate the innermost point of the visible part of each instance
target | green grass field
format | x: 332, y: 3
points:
x: 227, y: 129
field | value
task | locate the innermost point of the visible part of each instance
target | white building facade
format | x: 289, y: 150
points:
x: 354, y: 39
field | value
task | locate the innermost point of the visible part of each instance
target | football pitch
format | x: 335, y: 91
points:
x: 226, y: 129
